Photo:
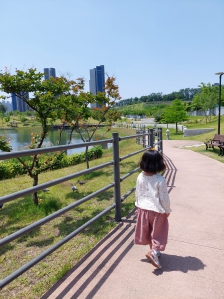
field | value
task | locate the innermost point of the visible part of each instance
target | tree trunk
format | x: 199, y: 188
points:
x: 176, y: 128
x: 206, y: 116
x: 35, y: 183
x: 86, y: 156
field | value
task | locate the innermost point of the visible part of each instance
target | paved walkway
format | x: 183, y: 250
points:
x: 193, y: 263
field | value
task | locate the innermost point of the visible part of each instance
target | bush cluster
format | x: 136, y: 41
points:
x: 12, y: 168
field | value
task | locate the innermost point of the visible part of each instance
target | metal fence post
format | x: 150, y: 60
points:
x: 160, y: 137
x: 143, y: 138
x: 148, y: 137
x: 151, y: 138
x: 117, y: 187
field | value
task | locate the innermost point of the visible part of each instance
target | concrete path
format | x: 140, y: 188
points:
x: 149, y: 121
x: 193, y: 263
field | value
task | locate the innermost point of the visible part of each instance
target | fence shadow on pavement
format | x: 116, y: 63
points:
x: 124, y: 231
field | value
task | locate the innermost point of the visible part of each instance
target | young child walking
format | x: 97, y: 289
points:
x: 153, y: 206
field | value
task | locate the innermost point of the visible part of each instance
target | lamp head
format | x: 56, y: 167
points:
x: 220, y: 73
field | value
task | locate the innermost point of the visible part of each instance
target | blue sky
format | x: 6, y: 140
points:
x: 148, y: 45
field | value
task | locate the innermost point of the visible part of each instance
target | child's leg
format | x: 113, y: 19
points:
x: 159, y: 232
x: 158, y: 252
x: 142, y: 228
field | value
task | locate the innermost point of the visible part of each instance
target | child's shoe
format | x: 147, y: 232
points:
x: 158, y: 254
x: 153, y: 258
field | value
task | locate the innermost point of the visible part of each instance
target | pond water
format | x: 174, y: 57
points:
x: 20, y: 138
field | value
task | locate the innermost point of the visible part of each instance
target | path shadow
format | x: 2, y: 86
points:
x: 116, y: 234
x: 178, y: 263
x: 170, y: 173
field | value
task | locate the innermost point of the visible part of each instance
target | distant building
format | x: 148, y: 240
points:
x: 216, y: 84
x: 7, y: 104
x: 97, y: 82
x: 49, y: 72
x: 18, y: 103
x: 213, y: 111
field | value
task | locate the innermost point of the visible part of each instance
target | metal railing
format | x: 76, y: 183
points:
x: 148, y: 141
x: 154, y: 137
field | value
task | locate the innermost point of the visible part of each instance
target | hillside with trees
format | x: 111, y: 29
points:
x: 186, y: 94
x: 156, y: 105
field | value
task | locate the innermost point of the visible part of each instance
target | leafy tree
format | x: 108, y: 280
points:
x: 206, y: 99
x: 171, y: 96
x: 28, y: 113
x: 10, y: 113
x: 175, y: 113
x: 7, y: 117
x: 46, y: 96
x: 52, y: 99
x: 186, y: 94
x: 23, y: 119
x: 222, y: 95
x: 76, y: 112
x: 4, y: 144
x: 2, y: 116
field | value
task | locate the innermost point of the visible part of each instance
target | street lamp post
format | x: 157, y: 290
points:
x: 220, y: 88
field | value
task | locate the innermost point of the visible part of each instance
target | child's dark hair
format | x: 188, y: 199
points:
x: 152, y: 161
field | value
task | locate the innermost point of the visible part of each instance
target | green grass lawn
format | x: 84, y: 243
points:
x: 29, y: 122
x: 21, y: 212
x: 202, y: 137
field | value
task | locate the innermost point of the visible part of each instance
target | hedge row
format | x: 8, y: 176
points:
x: 12, y: 168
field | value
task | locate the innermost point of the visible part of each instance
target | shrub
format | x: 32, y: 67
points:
x: 12, y: 168
x: 23, y: 119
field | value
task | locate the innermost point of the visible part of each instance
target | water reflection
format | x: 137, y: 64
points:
x: 20, y: 138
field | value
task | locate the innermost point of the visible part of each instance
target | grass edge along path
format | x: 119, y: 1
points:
x: 21, y: 212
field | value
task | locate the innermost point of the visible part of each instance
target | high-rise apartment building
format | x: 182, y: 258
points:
x: 97, y: 81
x: 18, y: 103
x: 49, y: 72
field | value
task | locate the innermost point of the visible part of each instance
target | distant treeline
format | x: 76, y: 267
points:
x: 186, y: 94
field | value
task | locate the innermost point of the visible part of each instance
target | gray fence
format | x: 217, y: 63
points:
x: 146, y: 138
x: 153, y: 137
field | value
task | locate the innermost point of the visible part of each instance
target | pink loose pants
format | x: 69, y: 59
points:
x: 151, y: 227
